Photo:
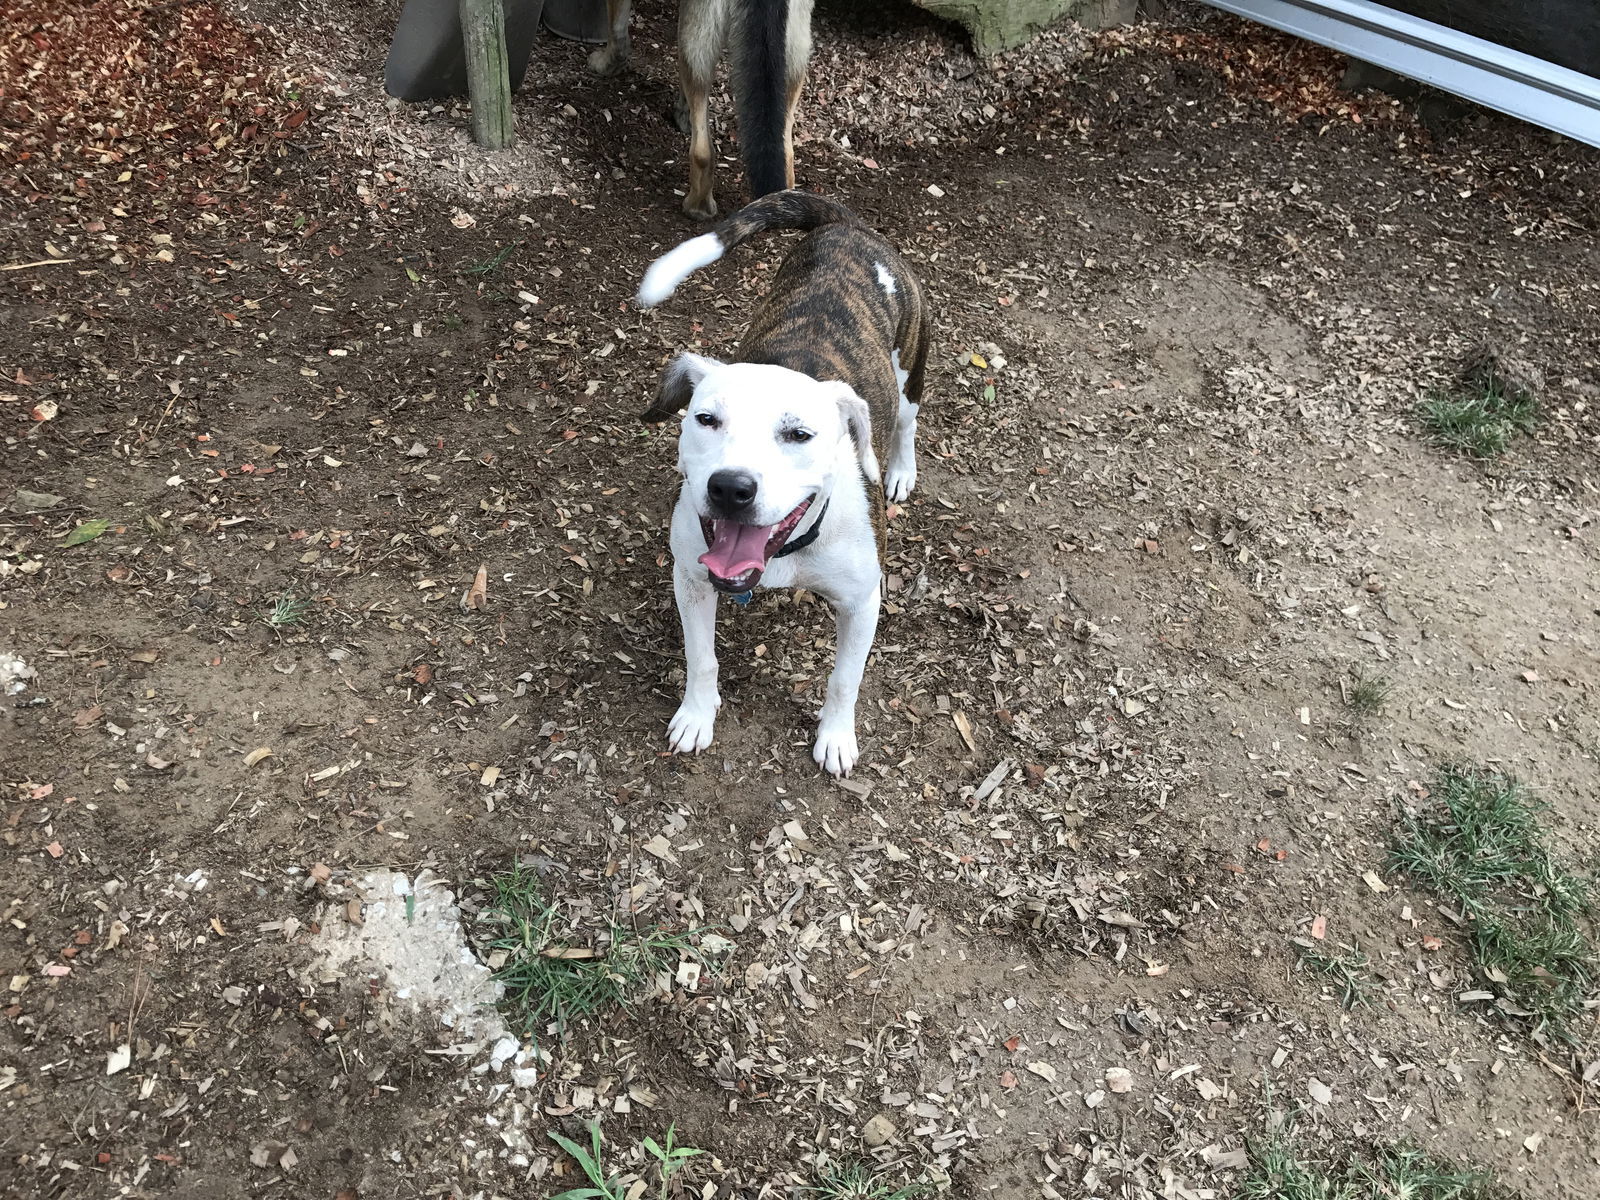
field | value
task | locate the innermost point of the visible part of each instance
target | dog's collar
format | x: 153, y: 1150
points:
x: 806, y: 538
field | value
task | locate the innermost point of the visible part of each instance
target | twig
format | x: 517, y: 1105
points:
x: 28, y: 266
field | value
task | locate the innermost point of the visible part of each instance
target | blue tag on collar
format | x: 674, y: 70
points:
x: 743, y: 597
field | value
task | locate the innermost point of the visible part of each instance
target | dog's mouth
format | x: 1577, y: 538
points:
x: 736, y: 554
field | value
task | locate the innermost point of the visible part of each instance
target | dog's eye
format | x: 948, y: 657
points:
x: 706, y: 419
x: 798, y: 436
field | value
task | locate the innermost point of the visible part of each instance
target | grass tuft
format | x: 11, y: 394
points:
x: 287, y: 611
x: 547, y: 977
x: 1481, y: 419
x: 860, y: 1181
x: 1480, y: 846
x: 494, y: 262
x: 1346, y: 968
x: 1367, y: 694
x: 1280, y: 1171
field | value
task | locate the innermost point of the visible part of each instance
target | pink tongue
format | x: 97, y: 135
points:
x: 736, y: 548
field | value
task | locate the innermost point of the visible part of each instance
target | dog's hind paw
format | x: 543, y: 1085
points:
x: 691, y: 728
x: 836, y: 751
x: 897, y: 484
x: 609, y: 60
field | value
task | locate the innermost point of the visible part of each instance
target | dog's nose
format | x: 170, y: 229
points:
x: 730, y: 491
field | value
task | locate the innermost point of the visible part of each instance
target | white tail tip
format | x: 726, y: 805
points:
x: 676, y: 265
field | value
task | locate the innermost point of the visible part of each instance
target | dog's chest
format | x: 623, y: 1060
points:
x: 843, y: 561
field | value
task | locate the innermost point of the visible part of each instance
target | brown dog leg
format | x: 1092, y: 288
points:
x: 699, y: 203
x: 702, y: 33
x: 613, y: 56
x: 796, y: 86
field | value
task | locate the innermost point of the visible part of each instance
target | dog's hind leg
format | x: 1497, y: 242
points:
x: 692, y: 724
x: 613, y: 56
x: 900, y: 476
x: 910, y: 368
x: 702, y: 32
x: 837, y: 748
x: 796, y: 58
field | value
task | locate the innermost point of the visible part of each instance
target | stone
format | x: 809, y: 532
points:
x: 878, y: 1130
x: 997, y: 25
x: 24, y: 501
x: 1492, y: 366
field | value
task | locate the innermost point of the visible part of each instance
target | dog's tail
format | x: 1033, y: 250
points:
x: 760, y: 99
x: 780, y: 210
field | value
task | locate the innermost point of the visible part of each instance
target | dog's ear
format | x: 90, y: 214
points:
x: 678, y: 381
x: 858, y: 420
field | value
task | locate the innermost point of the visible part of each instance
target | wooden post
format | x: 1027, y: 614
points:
x: 483, y: 31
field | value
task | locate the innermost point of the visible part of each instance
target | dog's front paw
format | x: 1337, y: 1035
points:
x: 897, y: 484
x: 691, y: 727
x: 836, y: 750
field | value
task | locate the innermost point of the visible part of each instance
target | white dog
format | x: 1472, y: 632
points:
x: 779, y: 451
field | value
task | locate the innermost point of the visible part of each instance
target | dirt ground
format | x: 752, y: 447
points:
x: 1108, y: 776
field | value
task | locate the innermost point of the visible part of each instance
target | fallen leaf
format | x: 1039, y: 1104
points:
x: 86, y: 532
x: 1123, y: 920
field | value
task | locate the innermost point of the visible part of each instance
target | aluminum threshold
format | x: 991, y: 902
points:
x: 1486, y: 72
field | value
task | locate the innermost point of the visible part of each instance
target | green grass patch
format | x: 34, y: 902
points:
x: 1365, y: 695
x: 1478, y: 844
x: 1480, y: 418
x: 1344, y: 966
x: 549, y: 973
x: 860, y: 1181
x: 665, y: 1159
x: 1280, y: 1170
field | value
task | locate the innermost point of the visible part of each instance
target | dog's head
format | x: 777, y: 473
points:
x: 760, y: 448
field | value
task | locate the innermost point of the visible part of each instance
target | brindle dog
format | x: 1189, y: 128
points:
x: 780, y: 448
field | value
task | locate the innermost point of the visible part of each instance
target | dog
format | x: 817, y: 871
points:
x: 771, y: 47
x: 780, y: 449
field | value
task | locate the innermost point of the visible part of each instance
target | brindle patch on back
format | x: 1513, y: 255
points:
x: 829, y: 316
